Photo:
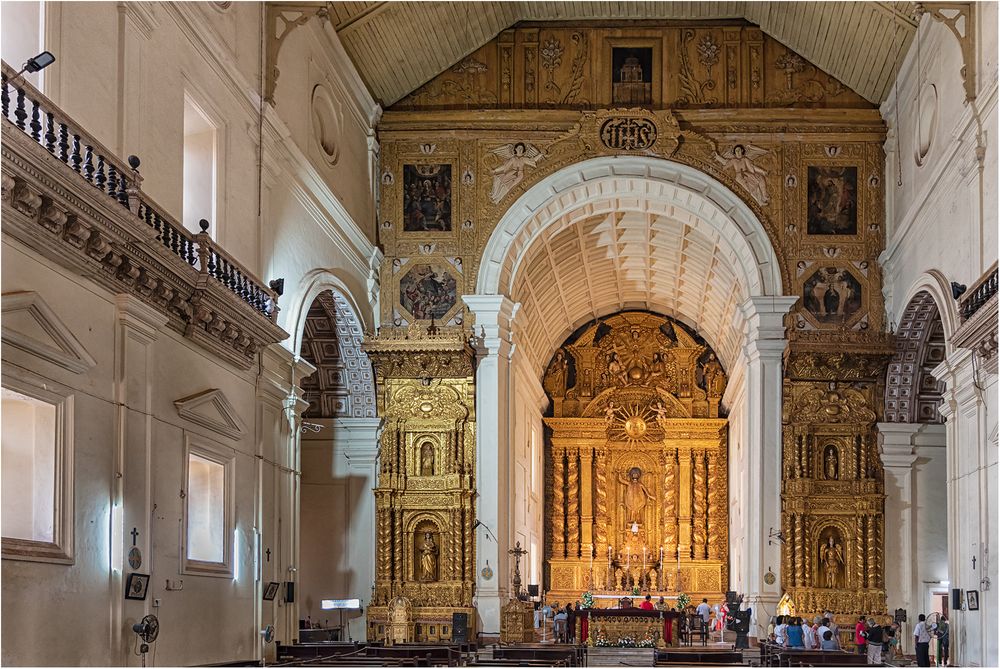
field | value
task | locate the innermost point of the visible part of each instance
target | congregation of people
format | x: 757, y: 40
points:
x: 879, y: 642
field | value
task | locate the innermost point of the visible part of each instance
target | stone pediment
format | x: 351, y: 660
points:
x: 211, y: 409
x: 30, y: 324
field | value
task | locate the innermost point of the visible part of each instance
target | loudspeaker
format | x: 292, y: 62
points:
x: 533, y: 590
x: 290, y: 592
x: 460, y: 627
x: 956, y: 599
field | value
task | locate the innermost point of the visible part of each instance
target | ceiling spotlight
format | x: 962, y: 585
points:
x: 37, y: 63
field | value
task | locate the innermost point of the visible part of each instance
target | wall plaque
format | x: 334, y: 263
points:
x: 628, y: 134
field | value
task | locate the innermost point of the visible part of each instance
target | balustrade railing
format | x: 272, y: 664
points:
x: 32, y: 113
x: 978, y: 294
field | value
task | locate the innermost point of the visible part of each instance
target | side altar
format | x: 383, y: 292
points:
x: 636, y: 463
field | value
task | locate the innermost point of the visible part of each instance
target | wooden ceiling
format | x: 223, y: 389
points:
x: 398, y: 46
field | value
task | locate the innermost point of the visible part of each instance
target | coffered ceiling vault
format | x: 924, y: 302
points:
x: 398, y: 46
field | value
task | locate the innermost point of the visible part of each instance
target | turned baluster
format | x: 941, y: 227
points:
x: 36, y: 124
x: 50, y: 133
x: 112, y: 180
x: 192, y: 258
x: 63, y: 143
x: 88, y: 164
x: 75, y: 158
x: 4, y: 96
x: 99, y: 178
x: 19, y: 113
x: 175, y: 241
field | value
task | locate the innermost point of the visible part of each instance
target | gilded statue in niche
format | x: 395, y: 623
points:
x: 510, y: 172
x: 427, y: 459
x: 739, y: 161
x: 555, y: 380
x: 428, y: 559
x: 831, y: 559
x: 634, y: 496
x: 830, y: 464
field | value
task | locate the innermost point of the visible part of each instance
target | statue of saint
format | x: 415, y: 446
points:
x: 427, y: 459
x: 830, y: 464
x: 428, y: 558
x: 609, y: 412
x: 556, y: 381
x: 831, y: 556
x: 715, y: 378
x: 635, y: 496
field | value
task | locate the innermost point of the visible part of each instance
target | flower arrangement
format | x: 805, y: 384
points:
x: 587, y: 599
x: 635, y: 591
x: 683, y: 600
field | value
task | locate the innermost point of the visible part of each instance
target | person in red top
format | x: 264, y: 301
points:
x: 859, y: 638
x: 647, y: 604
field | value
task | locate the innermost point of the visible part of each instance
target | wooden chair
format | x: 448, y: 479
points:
x: 699, y: 630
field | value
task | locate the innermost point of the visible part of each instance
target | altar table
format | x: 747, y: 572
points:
x: 627, y: 620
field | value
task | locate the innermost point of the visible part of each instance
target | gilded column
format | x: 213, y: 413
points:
x: 558, y: 503
x: 879, y: 568
x: 700, y: 510
x: 586, y: 503
x: 572, y: 505
x: 601, y: 530
x: 669, y: 506
x: 870, y: 575
x: 684, y: 503
x: 716, y: 507
x: 859, y: 553
x: 788, y: 551
x: 800, y: 542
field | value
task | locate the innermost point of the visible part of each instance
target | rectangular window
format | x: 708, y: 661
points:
x: 208, y: 510
x: 200, y: 167
x: 37, y: 500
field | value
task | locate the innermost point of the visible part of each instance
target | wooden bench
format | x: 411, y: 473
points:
x: 818, y: 658
x: 302, y: 651
x: 433, y: 655
x: 572, y: 656
x: 706, y: 657
x: 482, y: 662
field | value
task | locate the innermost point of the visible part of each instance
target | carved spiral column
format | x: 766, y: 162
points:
x: 558, y: 503
x: 700, y: 506
x: 716, y: 508
x: 859, y: 553
x: 800, y: 552
x: 870, y: 575
x: 788, y: 550
x: 572, y: 505
x: 601, y: 476
x: 669, y: 505
x: 468, y: 548
x: 879, y: 542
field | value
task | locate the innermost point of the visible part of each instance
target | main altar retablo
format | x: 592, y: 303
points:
x: 636, y: 462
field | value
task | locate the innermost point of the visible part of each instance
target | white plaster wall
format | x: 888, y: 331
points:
x: 122, y: 73
x: 528, y: 497
x: 942, y: 227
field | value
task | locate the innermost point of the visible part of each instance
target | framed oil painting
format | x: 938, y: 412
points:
x: 427, y: 198
x: 833, y: 201
x: 832, y: 295
x: 136, y: 586
x: 428, y: 291
x: 270, y: 591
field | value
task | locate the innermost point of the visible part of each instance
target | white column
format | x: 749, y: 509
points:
x: 969, y: 405
x: 494, y: 480
x: 355, y: 440
x: 898, y: 457
x: 764, y: 346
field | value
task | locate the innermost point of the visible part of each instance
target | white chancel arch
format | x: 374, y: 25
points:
x: 593, y: 238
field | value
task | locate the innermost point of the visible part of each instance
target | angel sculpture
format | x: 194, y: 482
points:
x: 739, y: 161
x: 515, y: 158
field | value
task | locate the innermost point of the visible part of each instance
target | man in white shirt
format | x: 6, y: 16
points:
x: 824, y: 626
x: 779, y: 631
x: 922, y: 641
x: 705, y: 611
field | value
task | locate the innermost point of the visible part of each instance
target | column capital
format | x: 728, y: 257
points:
x: 494, y: 317
x: 139, y: 317
x: 764, y: 331
x: 357, y: 439
x: 896, y: 449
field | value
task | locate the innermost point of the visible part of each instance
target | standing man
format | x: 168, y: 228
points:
x: 944, y: 636
x: 922, y: 641
x: 873, y: 637
x: 705, y: 611
x: 859, y: 636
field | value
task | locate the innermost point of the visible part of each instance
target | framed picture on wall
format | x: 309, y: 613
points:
x: 136, y: 586
x: 270, y: 591
x: 972, y: 599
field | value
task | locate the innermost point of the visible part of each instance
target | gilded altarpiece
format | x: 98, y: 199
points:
x: 833, y: 496
x: 636, y: 463
x: 425, y: 497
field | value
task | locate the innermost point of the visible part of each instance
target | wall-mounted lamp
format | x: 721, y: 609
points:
x: 37, y: 63
x: 773, y: 536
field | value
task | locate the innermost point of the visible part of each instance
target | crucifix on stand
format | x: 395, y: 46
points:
x: 517, y: 552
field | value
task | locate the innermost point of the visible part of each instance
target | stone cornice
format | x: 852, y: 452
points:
x: 55, y: 212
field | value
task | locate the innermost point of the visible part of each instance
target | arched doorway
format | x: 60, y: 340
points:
x: 915, y: 463
x: 602, y: 236
x: 338, y: 445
